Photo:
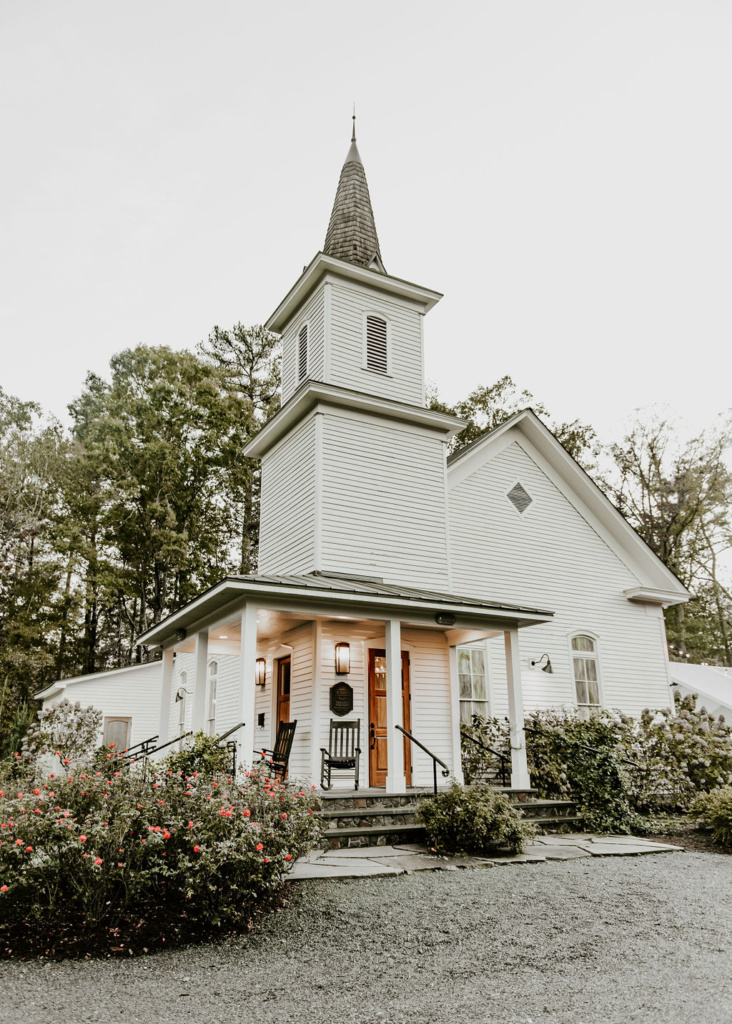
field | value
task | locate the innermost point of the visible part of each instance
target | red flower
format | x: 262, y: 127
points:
x: 284, y: 814
x: 266, y: 860
x: 67, y: 760
x: 288, y: 857
x: 112, y: 745
x: 29, y: 849
x: 166, y: 834
x: 18, y: 842
x: 98, y: 861
x: 3, y: 888
x: 36, y: 792
x: 20, y: 796
x: 82, y: 839
x: 259, y: 846
x: 247, y: 813
x: 196, y: 849
x: 2, y: 793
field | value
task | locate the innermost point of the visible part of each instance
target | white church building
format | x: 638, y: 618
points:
x: 496, y: 580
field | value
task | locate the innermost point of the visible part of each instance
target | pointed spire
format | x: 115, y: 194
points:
x: 352, y: 230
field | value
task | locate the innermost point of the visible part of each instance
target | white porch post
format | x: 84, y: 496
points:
x: 200, y: 668
x: 247, y: 685
x: 395, y: 779
x: 457, y: 760
x: 519, y: 767
x: 315, y: 693
x: 164, y: 723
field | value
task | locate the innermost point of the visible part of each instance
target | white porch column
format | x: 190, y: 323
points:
x: 519, y: 768
x: 247, y: 686
x: 164, y: 723
x: 457, y: 760
x: 200, y: 670
x: 395, y: 779
x: 315, y: 695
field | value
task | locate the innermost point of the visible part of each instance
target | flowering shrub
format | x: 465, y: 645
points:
x: 98, y: 853
x: 199, y: 753
x: 67, y: 728
x: 475, y: 820
x: 714, y: 811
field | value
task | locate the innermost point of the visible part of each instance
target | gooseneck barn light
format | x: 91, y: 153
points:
x: 544, y: 668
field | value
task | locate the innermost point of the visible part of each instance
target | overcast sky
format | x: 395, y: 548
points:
x: 562, y: 171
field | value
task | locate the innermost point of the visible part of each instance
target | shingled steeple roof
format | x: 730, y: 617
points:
x: 352, y: 230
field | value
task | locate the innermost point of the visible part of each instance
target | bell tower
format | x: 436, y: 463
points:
x: 353, y: 465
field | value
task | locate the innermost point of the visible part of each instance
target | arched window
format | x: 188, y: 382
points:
x: 213, y: 672
x: 377, y: 356
x: 182, y: 703
x: 586, y: 674
x: 302, y: 353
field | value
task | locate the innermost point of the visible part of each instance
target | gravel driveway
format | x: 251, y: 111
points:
x: 607, y: 941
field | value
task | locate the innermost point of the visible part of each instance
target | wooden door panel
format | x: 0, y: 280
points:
x: 378, y: 761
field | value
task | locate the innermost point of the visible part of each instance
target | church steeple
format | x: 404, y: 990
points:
x: 352, y: 230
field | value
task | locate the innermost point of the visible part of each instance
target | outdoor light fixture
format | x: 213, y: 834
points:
x: 342, y: 659
x: 544, y: 668
x: 179, y: 694
x: 260, y: 674
x: 445, y: 619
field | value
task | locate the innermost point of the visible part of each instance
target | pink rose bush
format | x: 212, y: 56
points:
x: 96, y: 851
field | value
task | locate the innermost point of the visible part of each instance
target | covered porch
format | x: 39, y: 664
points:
x: 256, y: 651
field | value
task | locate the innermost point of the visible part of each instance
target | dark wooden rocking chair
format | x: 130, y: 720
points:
x: 276, y: 761
x: 343, y: 753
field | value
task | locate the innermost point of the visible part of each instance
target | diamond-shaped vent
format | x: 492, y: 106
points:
x: 519, y: 498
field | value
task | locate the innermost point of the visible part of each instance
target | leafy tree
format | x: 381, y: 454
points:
x: 487, y: 407
x: 249, y: 358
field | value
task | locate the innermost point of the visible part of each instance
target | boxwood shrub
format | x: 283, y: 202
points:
x: 474, y: 820
x: 714, y: 811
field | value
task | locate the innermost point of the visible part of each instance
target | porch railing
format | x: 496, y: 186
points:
x: 503, y: 759
x: 435, y: 759
x: 231, y: 745
x: 145, y: 747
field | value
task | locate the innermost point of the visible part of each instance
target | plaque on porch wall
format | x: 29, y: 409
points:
x: 341, y: 699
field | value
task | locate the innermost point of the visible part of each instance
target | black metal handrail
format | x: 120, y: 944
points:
x: 170, y: 742
x: 584, y: 746
x: 503, y: 759
x: 435, y: 759
x: 231, y: 745
x: 132, y: 752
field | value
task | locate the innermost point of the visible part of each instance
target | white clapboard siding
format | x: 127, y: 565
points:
x: 132, y: 692
x: 550, y: 557
x: 383, y: 500
x: 312, y: 314
x: 287, y: 531
x: 346, y: 346
x: 429, y: 678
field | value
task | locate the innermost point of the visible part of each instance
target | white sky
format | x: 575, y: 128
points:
x: 560, y: 170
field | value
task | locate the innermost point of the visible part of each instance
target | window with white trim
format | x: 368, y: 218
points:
x: 586, y: 674
x: 377, y: 354
x: 213, y: 672
x: 473, y: 680
x: 182, y: 703
x: 302, y: 353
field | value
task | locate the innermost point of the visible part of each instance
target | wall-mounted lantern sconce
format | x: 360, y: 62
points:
x: 342, y: 659
x: 544, y: 668
x: 260, y: 675
x: 179, y: 694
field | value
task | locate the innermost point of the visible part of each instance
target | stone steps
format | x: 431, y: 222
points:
x: 373, y: 818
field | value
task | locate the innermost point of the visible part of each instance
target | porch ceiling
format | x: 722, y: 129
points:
x: 322, y: 595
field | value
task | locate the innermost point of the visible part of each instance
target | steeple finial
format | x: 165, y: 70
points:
x: 353, y: 135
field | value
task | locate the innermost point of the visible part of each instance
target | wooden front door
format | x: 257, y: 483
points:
x: 283, y: 690
x: 378, y: 764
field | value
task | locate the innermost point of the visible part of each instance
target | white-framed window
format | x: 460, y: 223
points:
x: 586, y: 669
x: 473, y: 679
x: 182, y: 703
x: 302, y: 353
x: 213, y: 674
x: 376, y: 343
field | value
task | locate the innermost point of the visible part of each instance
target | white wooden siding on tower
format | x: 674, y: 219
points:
x: 288, y: 509
x: 383, y: 501
x: 551, y: 556
x: 350, y: 304
x: 312, y: 314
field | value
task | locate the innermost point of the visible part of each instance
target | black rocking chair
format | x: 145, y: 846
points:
x: 276, y: 761
x: 343, y: 752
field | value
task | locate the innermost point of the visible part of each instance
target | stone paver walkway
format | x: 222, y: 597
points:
x: 366, y: 861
